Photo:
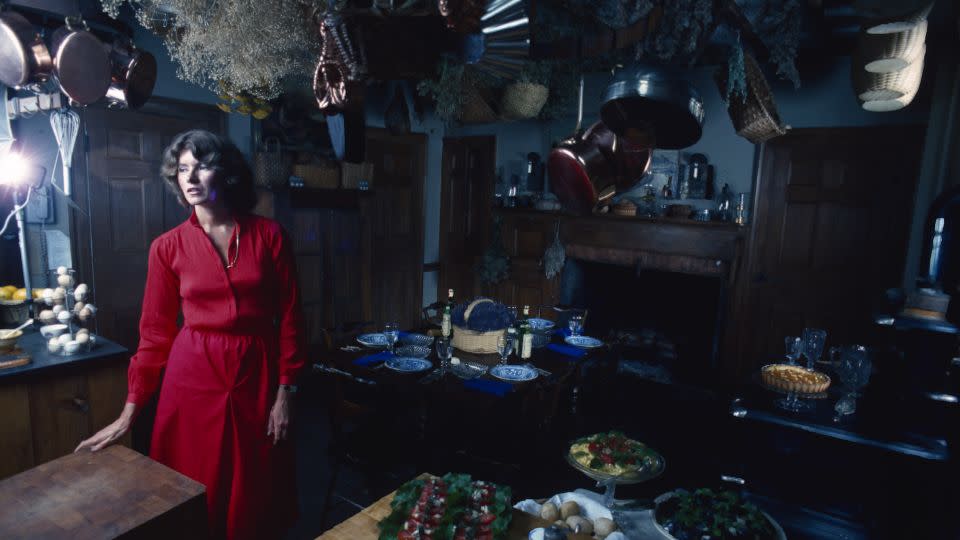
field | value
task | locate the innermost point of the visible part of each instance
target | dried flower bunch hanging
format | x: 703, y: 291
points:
x: 250, y: 45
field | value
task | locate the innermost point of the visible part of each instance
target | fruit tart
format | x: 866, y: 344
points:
x: 790, y: 378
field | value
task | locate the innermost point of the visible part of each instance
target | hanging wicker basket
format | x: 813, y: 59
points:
x: 271, y: 167
x: 754, y: 118
x: 476, y: 109
x: 889, y: 53
x: 887, y: 86
x: 522, y: 100
x: 472, y: 341
x: 885, y: 23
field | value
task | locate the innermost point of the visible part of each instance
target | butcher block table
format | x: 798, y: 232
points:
x: 363, y: 525
x: 106, y: 494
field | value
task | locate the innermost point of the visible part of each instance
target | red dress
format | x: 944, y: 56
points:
x: 240, y: 339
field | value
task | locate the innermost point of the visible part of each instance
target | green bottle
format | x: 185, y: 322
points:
x: 526, y: 335
x: 446, y: 327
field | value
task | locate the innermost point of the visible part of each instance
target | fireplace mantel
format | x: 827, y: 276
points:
x: 688, y: 246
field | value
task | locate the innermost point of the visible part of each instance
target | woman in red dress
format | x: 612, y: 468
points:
x: 228, y: 373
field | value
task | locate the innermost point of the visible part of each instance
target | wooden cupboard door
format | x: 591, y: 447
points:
x: 16, y: 451
x: 60, y: 413
x: 107, y: 387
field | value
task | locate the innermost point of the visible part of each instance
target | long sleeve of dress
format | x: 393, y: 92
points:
x: 288, y: 309
x: 158, y: 326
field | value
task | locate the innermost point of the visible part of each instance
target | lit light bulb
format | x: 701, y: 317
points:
x: 13, y: 168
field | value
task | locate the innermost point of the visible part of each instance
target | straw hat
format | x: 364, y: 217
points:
x: 889, y: 53
x: 886, y: 86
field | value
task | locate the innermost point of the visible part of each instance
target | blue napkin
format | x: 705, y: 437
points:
x: 574, y: 352
x: 562, y: 332
x: 497, y: 388
x: 372, y: 358
x: 402, y: 334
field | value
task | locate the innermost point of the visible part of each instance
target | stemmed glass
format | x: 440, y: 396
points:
x: 813, y: 341
x: 504, y: 347
x: 853, y: 368
x: 444, y: 352
x: 392, y: 331
x: 794, y: 349
x: 575, y: 324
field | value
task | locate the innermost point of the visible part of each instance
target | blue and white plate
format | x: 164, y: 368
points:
x: 541, y: 325
x: 415, y: 351
x: 416, y: 339
x: 585, y: 342
x: 373, y: 340
x: 407, y: 364
x: 514, y: 373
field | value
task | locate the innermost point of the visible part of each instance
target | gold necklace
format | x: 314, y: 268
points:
x: 236, y: 250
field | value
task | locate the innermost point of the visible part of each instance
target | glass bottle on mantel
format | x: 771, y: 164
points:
x: 446, y: 327
x: 526, y: 335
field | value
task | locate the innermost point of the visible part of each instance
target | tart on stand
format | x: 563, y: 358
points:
x: 795, y: 381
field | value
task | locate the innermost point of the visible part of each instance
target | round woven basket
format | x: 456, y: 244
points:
x: 475, y: 108
x: 889, y: 53
x: 899, y: 22
x: 523, y: 100
x: 886, y: 86
x: 472, y: 341
x: 754, y: 118
x: 889, y: 105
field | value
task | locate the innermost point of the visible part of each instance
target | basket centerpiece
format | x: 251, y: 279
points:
x: 477, y: 325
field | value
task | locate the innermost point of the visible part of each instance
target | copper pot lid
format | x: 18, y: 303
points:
x: 133, y: 79
x: 81, y: 65
x: 23, y: 56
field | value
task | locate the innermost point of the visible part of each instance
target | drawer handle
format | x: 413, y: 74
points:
x: 81, y: 404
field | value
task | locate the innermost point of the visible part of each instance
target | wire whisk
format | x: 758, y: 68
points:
x: 65, y: 124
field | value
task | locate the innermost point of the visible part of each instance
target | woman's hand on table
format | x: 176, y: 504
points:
x: 112, y: 433
x: 279, y: 421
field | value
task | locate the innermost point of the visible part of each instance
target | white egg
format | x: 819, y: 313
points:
x: 65, y: 280
x: 53, y: 345
x: 92, y: 308
x: 61, y: 270
x: 47, y: 316
x: 83, y: 332
x: 85, y: 313
x: 71, y: 347
x: 82, y: 338
x: 80, y: 295
x: 57, y: 309
x: 47, y: 294
x: 64, y: 316
x: 78, y: 306
x: 455, y: 361
x: 64, y: 338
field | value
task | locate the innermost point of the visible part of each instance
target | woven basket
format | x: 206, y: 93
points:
x: 475, y: 108
x: 352, y: 173
x: 892, y: 24
x: 889, y: 105
x: 523, y: 100
x: 886, y: 86
x: 472, y: 341
x: 13, y: 312
x: 271, y: 167
x: 754, y: 118
x: 889, y: 53
x: 318, y: 176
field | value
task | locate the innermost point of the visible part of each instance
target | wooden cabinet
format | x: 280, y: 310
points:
x: 526, y: 237
x: 47, y: 413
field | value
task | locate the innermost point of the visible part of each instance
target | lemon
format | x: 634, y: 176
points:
x: 37, y: 293
x: 5, y: 294
x: 10, y: 289
x: 21, y: 294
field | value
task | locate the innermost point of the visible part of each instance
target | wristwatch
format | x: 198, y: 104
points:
x: 291, y: 388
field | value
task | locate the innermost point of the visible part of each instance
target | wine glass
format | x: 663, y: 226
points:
x: 575, y: 324
x: 853, y: 369
x: 504, y: 347
x: 794, y: 349
x: 444, y: 352
x: 392, y: 331
x: 813, y: 341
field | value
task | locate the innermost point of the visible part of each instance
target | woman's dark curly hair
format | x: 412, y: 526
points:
x: 236, y: 178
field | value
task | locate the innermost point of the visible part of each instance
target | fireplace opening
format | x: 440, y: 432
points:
x: 667, y: 324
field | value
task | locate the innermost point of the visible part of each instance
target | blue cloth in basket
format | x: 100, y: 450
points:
x: 574, y: 352
x: 372, y: 358
x: 562, y: 332
x: 497, y: 388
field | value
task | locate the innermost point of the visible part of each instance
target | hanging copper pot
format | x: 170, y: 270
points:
x: 81, y: 64
x: 582, y: 167
x: 133, y: 75
x: 24, y: 58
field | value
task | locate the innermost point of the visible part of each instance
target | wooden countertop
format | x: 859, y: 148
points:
x: 363, y: 525
x: 105, y: 494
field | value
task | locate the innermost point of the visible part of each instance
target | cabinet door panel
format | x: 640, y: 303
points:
x: 107, y: 391
x: 16, y: 452
x: 61, y: 416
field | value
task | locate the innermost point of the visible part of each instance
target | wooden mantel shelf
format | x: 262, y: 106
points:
x: 628, y: 240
